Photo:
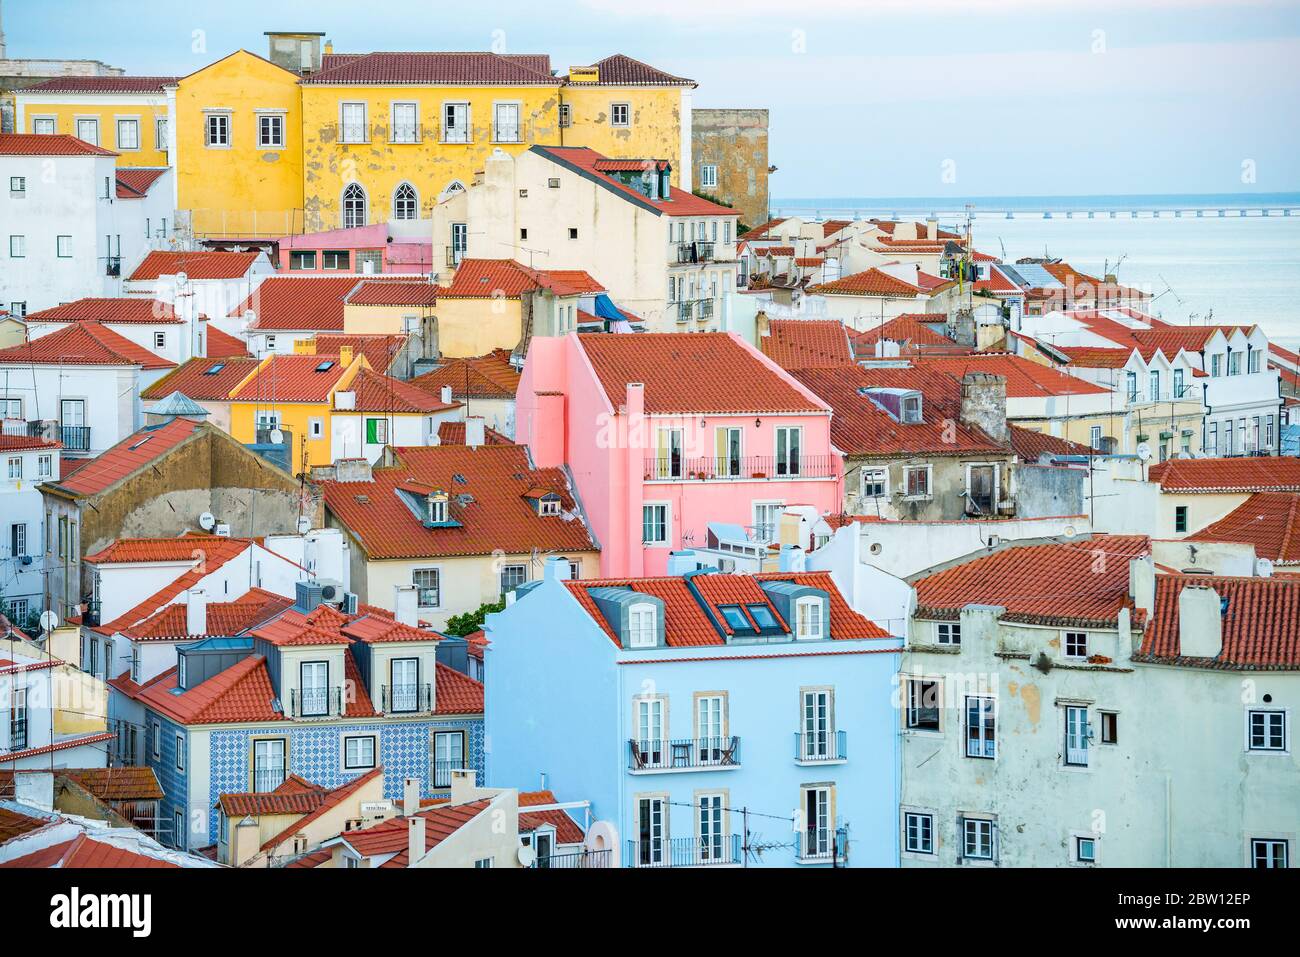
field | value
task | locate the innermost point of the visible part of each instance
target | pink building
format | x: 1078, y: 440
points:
x: 360, y: 249
x: 666, y: 433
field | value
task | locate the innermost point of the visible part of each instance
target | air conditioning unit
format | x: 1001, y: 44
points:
x: 349, y: 603
x: 330, y: 591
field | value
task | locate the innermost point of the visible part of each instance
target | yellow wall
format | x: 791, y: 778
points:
x: 656, y: 122
x: 378, y: 320
x: 429, y: 165
x: 293, y: 419
x: 474, y: 327
x: 242, y: 190
x: 108, y: 110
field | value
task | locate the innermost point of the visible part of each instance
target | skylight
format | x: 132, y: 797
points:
x: 763, y: 616
x: 735, y: 618
x: 325, y: 366
x: 213, y: 370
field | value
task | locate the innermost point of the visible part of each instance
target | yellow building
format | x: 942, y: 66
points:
x: 126, y: 114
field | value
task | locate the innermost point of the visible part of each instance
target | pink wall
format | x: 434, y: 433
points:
x: 403, y: 256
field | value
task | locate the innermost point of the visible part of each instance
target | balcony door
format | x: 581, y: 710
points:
x: 817, y: 724
x: 788, y: 442
x: 709, y: 728
x: 710, y: 821
x: 268, y: 764
x: 728, y: 448
x: 459, y: 242
x: 668, y: 454
x: 650, y: 831
x: 981, y: 491
x: 817, y: 822
x: 314, y: 688
x: 406, y: 684
x: 650, y: 730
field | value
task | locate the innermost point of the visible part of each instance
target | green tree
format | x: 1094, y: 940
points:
x: 472, y: 621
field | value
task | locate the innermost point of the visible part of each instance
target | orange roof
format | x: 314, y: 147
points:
x: 127, y: 457
x: 135, y: 183
x: 912, y: 332
x: 380, y: 393
x: 1261, y: 623
x: 15, y: 824
x: 505, y: 278
x: 391, y: 292
x: 183, y: 548
x: 224, y: 618
x: 1096, y: 357
x: 1268, y: 520
x: 292, y: 377
x: 1061, y: 584
x: 621, y: 70
x: 84, y: 344
x: 83, y: 851
x: 489, y: 376
x: 134, y: 309
x: 48, y: 144
x: 298, y: 302
x: 380, y: 350
x: 804, y: 343
x: 871, y: 282
x: 204, y: 264
x: 1025, y: 379
x: 436, y: 68
x: 486, y: 487
x: 692, y: 372
x: 453, y: 433
x: 14, y: 443
x: 201, y: 379
x: 222, y: 344
x: 393, y: 836
x: 583, y: 160
x: 1029, y: 445
x: 1247, y: 474
x: 117, y: 783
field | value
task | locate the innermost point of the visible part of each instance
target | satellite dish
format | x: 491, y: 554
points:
x: 1070, y: 531
x: 1263, y: 568
x: 1144, y: 452
x: 49, y: 620
x: 304, y: 525
x: 207, y: 521
x: 526, y: 855
x: 250, y: 317
x: 277, y: 436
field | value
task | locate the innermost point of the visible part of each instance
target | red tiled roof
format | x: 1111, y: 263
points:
x: 1268, y: 520
x: 298, y: 302
x: 83, y: 344
x: 1025, y: 379
x: 1029, y: 445
x: 567, y: 830
x: 807, y: 343
x: 704, y: 372
x: 222, y: 345
x: 620, y: 70
x: 457, y: 693
x: 83, y: 851
x: 489, y: 376
x: 133, y: 309
x: 1096, y: 357
x: 380, y: 393
x: 117, y: 783
x: 861, y: 427
x: 48, y: 144
x: 1250, y: 474
x: 182, y: 548
x: 393, y: 293
x: 204, y: 264
x: 210, y: 379
x: 1261, y: 624
x: 224, y: 618
x: 127, y: 457
x: 102, y: 84
x: 453, y: 433
x: 14, y: 824
x: 433, y: 68
x: 912, y: 332
x: 495, y: 516
x: 292, y: 377
x: 870, y: 282
x: 680, y: 203
x: 1080, y: 583
x: 65, y: 744
x: 135, y: 182
x: 380, y: 350
x: 505, y: 278
x: 393, y: 836
x: 14, y: 443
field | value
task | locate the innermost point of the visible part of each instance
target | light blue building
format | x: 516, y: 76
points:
x: 716, y: 719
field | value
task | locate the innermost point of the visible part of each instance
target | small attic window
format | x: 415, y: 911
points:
x: 911, y: 409
x: 140, y: 443
x: 736, y: 619
x: 642, y: 629
x: 763, y: 617
x: 437, y: 505
x: 213, y: 370
x: 325, y: 366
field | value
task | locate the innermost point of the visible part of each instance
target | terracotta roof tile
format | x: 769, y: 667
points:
x: 51, y: 144
x: 14, y: 824
x: 225, y: 618
x: 15, y: 443
x: 505, y: 278
x: 222, y: 345
x: 453, y: 433
x: 83, y: 851
x: 129, y: 309
x: 102, y: 84
x: 380, y: 393
x: 620, y: 70
x: 211, y: 379
x: 131, y: 454
x: 433, y: 68
x: 84, y: 343
x: 870, y: 282
x: 1248, y: 474
x: 489, y: 376
x: 1261, y: 623
x: 1025, y: 379
x: 393, y: 836
x: 64, y: 744
x: 680, y: 203
x: 298, y: 302
x: 912, y: 332
x: 807, y: 343
x: 204, y: 264
x: 1268, y: 520
x: 135, y: 182
x: 1029, y: 445
x: 391, y: 292
x: 117, y: 783
x: 380, y: 350
x: 292, y: 377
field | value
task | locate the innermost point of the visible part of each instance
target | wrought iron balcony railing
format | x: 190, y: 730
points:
x: 658, y: 754
x: 405, y: 699
x: 268, y: 775
x: 576, y: 861
x: 673, y: 468
x: 315, y: 702
x: 811, y: 747
x: 705, y: 851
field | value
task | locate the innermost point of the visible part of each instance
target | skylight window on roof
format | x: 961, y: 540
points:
x: 213, y: 370
x: 735, y: 618
x: 325, y: 366
x: 460, y: 479
x: 763, y: 617
x: 136, y: 445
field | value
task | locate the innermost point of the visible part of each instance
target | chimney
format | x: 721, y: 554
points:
x: 196, y: 612
x: 353, y: 470
x: 345, y: 356
x: 556, y: 569
x: 984, y: 403
x: 35, y: 789
x: 1142, y: 584
x: 475, y: 431
x: 1200, y: 622
x: 792, y: 558
x: 932, y: 227
x: 415, y: 844
x: 446, y: 395
x: 406, y: 605
x: 410, y: 796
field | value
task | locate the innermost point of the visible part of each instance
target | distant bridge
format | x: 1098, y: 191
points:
x: 1073, y: 212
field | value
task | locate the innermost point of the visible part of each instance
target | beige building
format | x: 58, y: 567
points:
x: 729, y: 152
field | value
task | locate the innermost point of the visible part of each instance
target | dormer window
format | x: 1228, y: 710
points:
x: 437, y: 505
x: 642, y: 628
x: 809, y: 620
x: 911, y: 409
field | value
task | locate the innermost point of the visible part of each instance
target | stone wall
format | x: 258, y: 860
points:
x: 736, y: 142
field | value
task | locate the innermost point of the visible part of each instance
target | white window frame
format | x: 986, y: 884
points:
x: 1077, y: 839
x: 510, y: 567
x: 987, y: 728
x: 1077, y: 732
x: 1252, y: 853
x: 924, y: 821
x: 519, y: 121
x: 1284, y: 715
x: 948, y: 633
x: 465, y: 132
x: 766, y: 531
x: 666, y: 541
x: 39, y: 121
x: 643, y: 625
x: 982, y: 826
x: 276, y: 142
x: 708, y: 176
x: 614, y: 111
x: 17, y: 246
x: 224, y: 141
x: 419, y: 589
x: 1070, y: 644
x: 355, y: 189
x: 817, y: 619
x: 344, y: 138
x: 875, y: 476
x: 908, y: 470
x: 128, y: 121
x: 414, y: 200
x: 374, y: 752
x: 409, y: 133
x: 93, y: 121
x: 910, y: 707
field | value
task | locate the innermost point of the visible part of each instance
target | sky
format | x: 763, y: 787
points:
x: 938, y: 98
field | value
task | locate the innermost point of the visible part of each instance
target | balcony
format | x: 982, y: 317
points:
x: 579, y: 860
x: 704, y: 309
x: 821, y: 747
x: 675, y: 468
x: 442, y: 771
x: 18, y: 734
x: 405, y: 133
x: 700, y: 252
x: 684, y: 310
x: 315, y: 702
x: 75, y: 438
x: 267, y: 776
x: 353, y: 133
x: 113, y: 266
x: 717, y: 850
x: 816, y: 845
x: 405, y: 699
x: 684, y: 754
x: 454, y: 256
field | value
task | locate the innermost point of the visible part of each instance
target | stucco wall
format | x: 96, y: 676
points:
x: 735, y: 141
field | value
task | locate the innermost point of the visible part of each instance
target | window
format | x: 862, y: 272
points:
x: 44, y: 466
x: 217, y: 130
x: 459, y: 241
x: 654, y: 524
x: 448, y: 756
x: 18, y: 309
x: 377, y: 431
x: 405, y: 203
x: 809, y: 618
x: 1131, y: 385
x: 977, y: 839
x: 180, y: 748
x: 708, y: 176
x: 1094, y: 438
x: 1252, y: 363
x: 405, y: 123
x: 767, y: 520
x: 1085, y: 850
x: 910, y: 409
x: 18, y: 186
x: 1155, y: 385
x: 340, y: 259
x: 354, y: 206
x: 642, y: 628
x: 917, y: 481
x: 43, y: 125
x: 426, y: 581
x: 160, y: 133
x: 178, y: 834
x: 352, y: 123
x: 1109, y: 727
x: 63, y: 247
x: 1216, y: 366
x: 1266, y: 730
x: 1268, y: 853
x: 155, y: 740
x: 313, y: 689
x: 566, y: 116
x: 160, y: 340
x: 918, y: 830
x: 1076, y: 644
x: 128, y: 134
x: 455, y: 123
x: 18, y: 719
x: 270, y: 131
x: 712, y: 846
x: 949, y: 632
x: 1268, y: 432
x: 505, y: 123
x: 1076, y: 736
x: 875, y: 483
x: 17, y: 247
x: 923, y: 697
x: 573, y: 232
x: 268, y: 763
x: 817, y: 719
x: 816, y: 839
x: 483, y: 862
x: 512, y: 576
x: 711, y: 727
x: 1178, y: 384
x: 788, y: 441
x: 315, y: 427
x: 88, y: 130
x: 405, y: 675
x: 1234, y: 363
x: 981, y: 726
x: 18, y: 539
x: 619, y: 114
x: 575, y: 569
x: 1180, y: 518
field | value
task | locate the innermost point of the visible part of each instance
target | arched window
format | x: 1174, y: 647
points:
x: 406, y: 205
x: 354, y: 206
x: 452, y: 188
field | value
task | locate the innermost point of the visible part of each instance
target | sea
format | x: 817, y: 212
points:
x: 1229, y: 269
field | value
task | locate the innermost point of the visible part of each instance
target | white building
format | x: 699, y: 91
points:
x: 51, y: 715
x: 666, y: 255
x: 199, y: 282
x: 151, y: 324
x: 29, y: 460
x: 72, y: 221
